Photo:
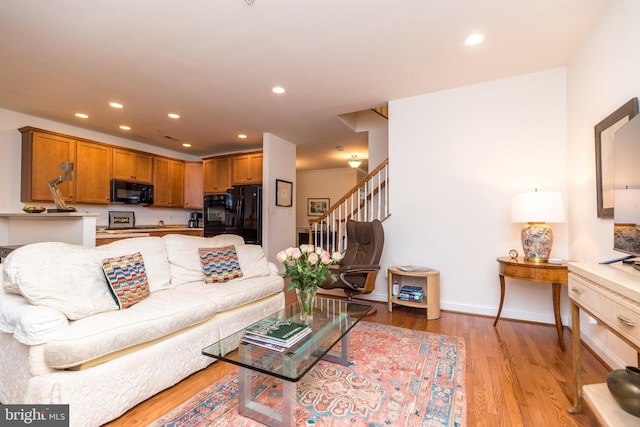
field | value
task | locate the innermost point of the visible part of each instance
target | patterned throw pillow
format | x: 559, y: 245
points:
x: 127, y: 279
x: 219, y: 264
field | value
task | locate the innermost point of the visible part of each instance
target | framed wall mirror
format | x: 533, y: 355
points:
x: 605, y: 139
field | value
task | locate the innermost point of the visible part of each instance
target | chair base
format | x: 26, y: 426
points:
x: 373, y: 310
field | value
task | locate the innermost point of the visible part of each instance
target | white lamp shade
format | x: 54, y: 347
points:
x: 538, y: 206
x: 627, y: 206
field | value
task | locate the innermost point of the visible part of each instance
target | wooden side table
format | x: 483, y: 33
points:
x: 430, y: 281
x: 541, y: 272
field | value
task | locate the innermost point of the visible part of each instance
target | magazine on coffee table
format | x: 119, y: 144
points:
x: 276, y: 332
x: 413, y: 268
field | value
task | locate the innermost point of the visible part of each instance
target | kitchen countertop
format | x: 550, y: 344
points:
x: 140, y: 231
x: 47, y: 215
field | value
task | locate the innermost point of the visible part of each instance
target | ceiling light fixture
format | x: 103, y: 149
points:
x: 278, y: 89
x: 116, y: 105
x: 186, y: 145
x: 242, y: 136
x: 174, y: 115
x: 354, y: 162
x: 82, y: 115
x: 474, y: 39
x: 125, y: 127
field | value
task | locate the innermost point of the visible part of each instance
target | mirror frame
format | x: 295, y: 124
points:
x: 603, y: 130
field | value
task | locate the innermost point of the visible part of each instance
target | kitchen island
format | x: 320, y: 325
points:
x: 20, y: 228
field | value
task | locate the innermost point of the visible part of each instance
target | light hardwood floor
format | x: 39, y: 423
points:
x: 516, y: 373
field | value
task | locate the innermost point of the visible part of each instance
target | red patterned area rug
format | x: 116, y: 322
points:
x: 397, y: 377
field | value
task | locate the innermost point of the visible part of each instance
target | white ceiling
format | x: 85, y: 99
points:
x: 215, y: 61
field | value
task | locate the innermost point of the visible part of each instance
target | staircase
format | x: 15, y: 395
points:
x: 367, y: 201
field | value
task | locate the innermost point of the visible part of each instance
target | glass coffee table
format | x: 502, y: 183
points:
x: 332, y: 321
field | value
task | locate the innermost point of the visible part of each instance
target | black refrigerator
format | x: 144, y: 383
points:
x: 244, y: 213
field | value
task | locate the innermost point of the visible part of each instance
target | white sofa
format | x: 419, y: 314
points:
x: 65, y: 340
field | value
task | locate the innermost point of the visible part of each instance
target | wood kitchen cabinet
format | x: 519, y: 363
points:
x: 168, y: 182
x: 42, y: 153
x: 131, y: 165
x: 92, y: 172
x: 193, y: 184
x: 246, y: 168
x: 216, y: 175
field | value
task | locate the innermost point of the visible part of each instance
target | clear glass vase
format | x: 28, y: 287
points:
x: 306, y: 297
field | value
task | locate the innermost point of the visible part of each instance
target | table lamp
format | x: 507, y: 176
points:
x: 626, y: 217
x: 537, y: 208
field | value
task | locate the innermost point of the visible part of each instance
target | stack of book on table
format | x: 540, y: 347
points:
x: 276, y: 334
x: 411, y: 293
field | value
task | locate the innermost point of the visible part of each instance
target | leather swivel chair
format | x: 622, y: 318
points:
x: 357, y: 272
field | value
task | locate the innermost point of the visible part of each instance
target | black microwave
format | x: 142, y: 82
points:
x: 132, y: 193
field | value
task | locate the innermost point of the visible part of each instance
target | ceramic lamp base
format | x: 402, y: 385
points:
x: 537, y: 239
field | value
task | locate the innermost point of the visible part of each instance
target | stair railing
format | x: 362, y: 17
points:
x: 366, y: 201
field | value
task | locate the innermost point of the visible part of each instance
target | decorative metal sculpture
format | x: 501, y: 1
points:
x: 67, y: 175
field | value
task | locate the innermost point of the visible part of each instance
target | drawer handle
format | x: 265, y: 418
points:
x: 626, y: 320
x: 577, y: 290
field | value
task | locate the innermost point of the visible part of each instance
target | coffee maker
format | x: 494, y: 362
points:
x: 195, y: 221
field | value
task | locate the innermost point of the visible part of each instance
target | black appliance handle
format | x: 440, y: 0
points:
x: 240, y: 213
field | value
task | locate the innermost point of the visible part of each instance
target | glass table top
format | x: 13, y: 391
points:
x: 332, y: 320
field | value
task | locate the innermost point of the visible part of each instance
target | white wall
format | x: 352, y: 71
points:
x: 10, y: 161
x: 603, y: 75
x: 456, y: 159
x: 377, y: 128
x: 279, y: 223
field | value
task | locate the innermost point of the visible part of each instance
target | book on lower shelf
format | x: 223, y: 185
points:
x: 276, y: 332
x: 412, y: 289
x: 410, y: 297
x: 411, y: 293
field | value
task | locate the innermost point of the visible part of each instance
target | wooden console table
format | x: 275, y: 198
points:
x: 541, y: 272
x: 611, y: 295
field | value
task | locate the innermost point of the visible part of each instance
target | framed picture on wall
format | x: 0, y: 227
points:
x: 284, y: 193
x: 316, y: 207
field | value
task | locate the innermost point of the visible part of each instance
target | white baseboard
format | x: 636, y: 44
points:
x: 611, y: 359
x: 483, y: 310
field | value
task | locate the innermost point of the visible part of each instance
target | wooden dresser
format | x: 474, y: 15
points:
x: 611, y: 295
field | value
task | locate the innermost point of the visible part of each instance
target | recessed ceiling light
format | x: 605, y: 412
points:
x: 174, y: 115
x: 242, y: 136
x: 125, y: 127
x: 116, y: 105
x: 278, y: 90
x: 186, y: 144
x: 474, y: 39
x: 82, y: 115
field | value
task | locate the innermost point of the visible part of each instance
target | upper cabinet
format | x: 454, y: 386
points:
x: 168, y: 182
x: 177, y: 184
x: 131, y: 165
x: 216, y: 175
x: 42, y: 153
x: 193, y: 183
x: 92, y: 172
x: 246, y: 168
